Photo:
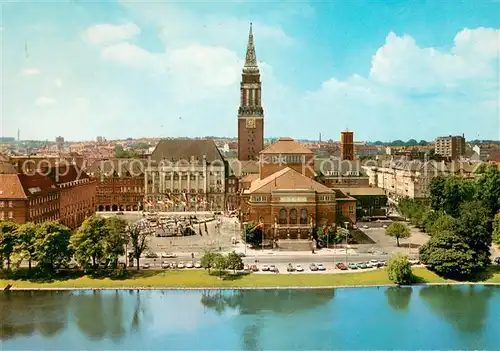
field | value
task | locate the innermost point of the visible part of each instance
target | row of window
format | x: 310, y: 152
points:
x: 4, y: 215
x: 34, y: 212
x: 5, y: 203
x: 287, y: 159
x: 337, y: 173
x: 339, y: 210
x: 291, y: 216
x: 259, y: 198
x: 325, y: 198
x: 42, y: 200
x: 75, y: 182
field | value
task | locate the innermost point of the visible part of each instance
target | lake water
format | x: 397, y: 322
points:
x: 436, y: 317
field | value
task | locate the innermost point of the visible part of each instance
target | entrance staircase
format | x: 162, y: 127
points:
x: 294, y: 245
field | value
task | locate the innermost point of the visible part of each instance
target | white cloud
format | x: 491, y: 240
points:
x: 131, y: 55
x: 106, y: 33
x: 45, y: 101
x: 26, y: 72
x: 58, y: 82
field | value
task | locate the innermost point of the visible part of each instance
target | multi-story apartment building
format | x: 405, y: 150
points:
x: 185, y: 175
x: 120, y: 184
x: 452, y: 147
x: 412, y: 178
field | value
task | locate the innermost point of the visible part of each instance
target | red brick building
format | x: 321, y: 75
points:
x: 250, y: 112
x: 27, y: 197
x: 77, y: 194
x: 120, y: 184
x: 347, y: 145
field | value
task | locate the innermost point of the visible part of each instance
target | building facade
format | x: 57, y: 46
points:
x: 347, y: 145
x: 250, y: 112
x: 120, y: 184
x: 27, y: 197
x: 185, y: 175
x: 451, y: 147
x: 77, y: 194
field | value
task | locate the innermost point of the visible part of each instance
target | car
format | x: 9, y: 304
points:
x: 265, y: 268
x: 384, y: 226
x: 497, y: 260
x: 313, y: 267
x: 197, y: 265
x: 167, y: 255
x: 361, y: 265
x: 368, y: 265
x: 365, y: 227
x: 374, y: 263
x: 151, y: 255
x: 272, y: 268
x: 241, y: 254
x: 246, y: 268
x: 321, y: 267
x: 189, y: 265
x: 165, y: 264
x: 254, y: 268
x: 341, y: 266
x: 290, y: 268
x: 145, y: 265
x: 180, y: 265
x: 299, y: 268
x: 353, y: 266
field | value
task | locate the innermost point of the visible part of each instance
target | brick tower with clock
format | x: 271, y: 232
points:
x: 250, y: 112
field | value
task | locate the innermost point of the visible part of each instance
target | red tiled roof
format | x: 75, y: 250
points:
x: 286, y: 145
x: 22, y: 186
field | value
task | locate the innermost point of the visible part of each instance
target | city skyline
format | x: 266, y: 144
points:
x: 168, y: 70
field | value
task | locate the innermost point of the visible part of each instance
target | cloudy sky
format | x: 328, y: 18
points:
x: 386, y: 70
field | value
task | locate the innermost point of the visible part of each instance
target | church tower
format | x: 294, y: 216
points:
x: 250, y: 112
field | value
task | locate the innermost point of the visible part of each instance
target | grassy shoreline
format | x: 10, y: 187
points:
x: 202, y: 280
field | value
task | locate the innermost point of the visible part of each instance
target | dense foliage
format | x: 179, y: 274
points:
x: 220, y: 263
x: 399, y: 269
x: 496, y: 229
x: 252, y: 234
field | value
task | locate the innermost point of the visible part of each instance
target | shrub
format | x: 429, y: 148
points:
x: 399, y: 269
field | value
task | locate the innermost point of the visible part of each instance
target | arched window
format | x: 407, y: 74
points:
x: 282, y: 217
x: 303, y: 216
x: 293, y: 216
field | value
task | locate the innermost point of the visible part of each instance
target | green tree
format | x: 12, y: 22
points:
x: 448, y: 193
x: 234, y: 261
x: 52, y: 245
x: 7, y: 240
x: 115, y: 240
x: 443, y: 222
x: 138, y: 236
x: 474, y: 228
x: 332, y: 236
x: 25, y: 241
x: 496, y: 229
x: 253, y: 234
x: 488, y: 189
x: 399, y: 269
x: 448, y: 255
x: 398, y: 230
x: 220, y: 263
x: 88, y: 241
x: 207, y: 260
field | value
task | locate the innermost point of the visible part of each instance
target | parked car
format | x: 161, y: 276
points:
x: 321, y: 267
x: 368, y: 265
x: 145, y: 265
x: 497, y: 260
x: 165, y: 264
x: 299, y: 268
x: 167, y: 255
x: 197, y: 265
x: 362, y: 265
x: 353, y: 266
x: 365, y: 227
x: 151, y: 255
x: 374, y: 263
x: 290, y: 268
x: 384, y: 226
x: 313, y: 267
x: 189, y: 265
x: 272, y: 268
x: 341, y: 266
x: 180, y: 265
x: 265, y: 268
x: 254, y: 268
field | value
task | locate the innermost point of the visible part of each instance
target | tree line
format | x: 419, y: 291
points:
x: 463, y: 220
x: 98, y: 242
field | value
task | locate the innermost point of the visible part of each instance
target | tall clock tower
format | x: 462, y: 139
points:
x: 250, y: 112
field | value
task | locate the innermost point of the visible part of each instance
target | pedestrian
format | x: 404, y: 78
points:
x: 192, y: 255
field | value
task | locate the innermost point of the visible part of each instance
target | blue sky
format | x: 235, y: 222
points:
x: 384, y: 69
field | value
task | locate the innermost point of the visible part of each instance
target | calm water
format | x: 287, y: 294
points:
x: 444, y: 317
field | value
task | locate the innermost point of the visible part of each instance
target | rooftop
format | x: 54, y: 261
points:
x: 286, y: 145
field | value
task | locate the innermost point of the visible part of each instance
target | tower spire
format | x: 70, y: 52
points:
x: 250, y: 58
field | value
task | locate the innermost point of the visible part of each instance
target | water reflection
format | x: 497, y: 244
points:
x: 27, y: 312
x: 399, y: 297
x: 97, y: 315
x: 258, y: 301
x: 464, y: 307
